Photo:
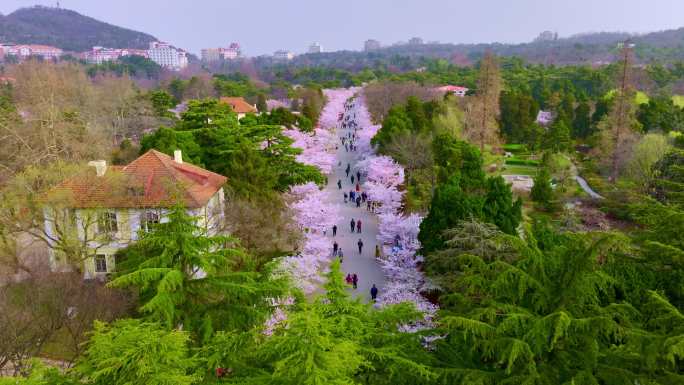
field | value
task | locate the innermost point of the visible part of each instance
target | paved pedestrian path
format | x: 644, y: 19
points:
x: 364, y: 264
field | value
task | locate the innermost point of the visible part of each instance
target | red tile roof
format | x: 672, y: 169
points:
x: 239, y: 105
x: 450, y: 88
x: 152, y: 180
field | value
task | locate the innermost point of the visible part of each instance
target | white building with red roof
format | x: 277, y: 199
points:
x: 108, y: 206
x: 24, y: 51
x: 99, y: 55
x: 456, y: 90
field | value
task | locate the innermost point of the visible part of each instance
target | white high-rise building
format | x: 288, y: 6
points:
x: 283, y: 55
x: 216, y: 54
x: 315, y: 48
x: 167, y: 56
x: 371, y: 45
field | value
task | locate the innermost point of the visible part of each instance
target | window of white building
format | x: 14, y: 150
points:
x: 148, y: 219
x: 106, y: 222
x: 100, y: 263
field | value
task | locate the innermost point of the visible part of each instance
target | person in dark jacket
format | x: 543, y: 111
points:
x: 360, y: 243
x: 374, y: 293
x: 355, y: 280
x: 352, y: 223
x: 334, y: 230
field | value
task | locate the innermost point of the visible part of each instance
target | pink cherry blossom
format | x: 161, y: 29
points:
x: 312, y: 209
x: 400, y: 264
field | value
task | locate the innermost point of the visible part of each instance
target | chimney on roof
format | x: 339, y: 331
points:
x: 178, y: 156
x: 100, y: 166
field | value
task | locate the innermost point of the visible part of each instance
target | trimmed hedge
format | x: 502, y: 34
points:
x: 522, y: 162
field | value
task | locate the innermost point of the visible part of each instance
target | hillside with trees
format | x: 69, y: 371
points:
x: 527, y: 231
x: 586, y: 48
x: 66, y: 29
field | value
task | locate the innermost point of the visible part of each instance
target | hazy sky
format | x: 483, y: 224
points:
x: 263, y: 26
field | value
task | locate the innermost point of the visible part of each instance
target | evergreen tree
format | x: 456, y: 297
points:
x: 581, y: 125
x: 449, y: 205
x: 499, y: 207
x: 668, y: 185
x: 333, y: 340
x: 415, y: 112
x: 558, y: 136
x: 186, y: 277
x: 515, y: 313
x: 261, y: 103
x: 137, y: 352
x: 542, y: 192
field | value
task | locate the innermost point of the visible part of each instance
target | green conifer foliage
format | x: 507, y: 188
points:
x: 186, y: 277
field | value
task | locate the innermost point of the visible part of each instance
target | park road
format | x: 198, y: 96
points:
x: 364, y: 264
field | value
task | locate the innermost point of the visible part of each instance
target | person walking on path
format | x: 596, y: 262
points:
x: 339, y: 184
x: 358, y: 175
x: 358, y: 226
x: 360, y: 243
x: 345, y: 197
x: 358, y: 188
x: 377, y: 251
x: 355, y: 280
x: 348, y: 279
x: 352, y: 223
x: 352, y: 179
x: 335, y: 247
x: 358, y: 201
x: 334, y: 230
x: 352, y: 196
x: 368, y: 204
x: 340, y: 254
x: 347, y: 170
x: 374, y: 293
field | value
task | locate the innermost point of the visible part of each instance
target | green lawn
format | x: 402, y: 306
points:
x: 515, y: 169
x: 642, y: 98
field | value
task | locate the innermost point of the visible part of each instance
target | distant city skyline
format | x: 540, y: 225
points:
x: 269, y: 25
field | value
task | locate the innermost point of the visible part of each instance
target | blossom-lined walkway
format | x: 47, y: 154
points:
x: 395, y: 273
x: 367, y: 268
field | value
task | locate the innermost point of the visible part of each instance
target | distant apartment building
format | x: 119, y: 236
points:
x: 210, y: 55
x: 99, y: 55
x: 415, y: 41
x: 371, y: 45
x: 315, y: 48
x: 25, y: 51
x: 216, y: 54
x: 547, y: 36
x: 283, y: 55
x: 167, y: 55
x: 232, y: 52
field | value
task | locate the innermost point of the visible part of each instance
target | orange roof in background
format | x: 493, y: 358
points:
x: 450, y: 88
x: 238, y: 104
x: 152, y: 180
